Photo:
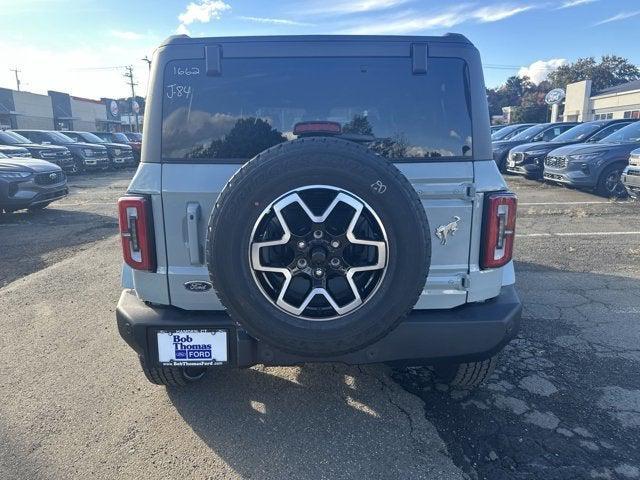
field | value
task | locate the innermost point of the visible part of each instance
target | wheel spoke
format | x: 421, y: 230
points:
x: 319, y: 248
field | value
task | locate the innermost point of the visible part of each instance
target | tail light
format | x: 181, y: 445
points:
x: 498, y: 230
x: 136, y: 230
x: 317, y: 128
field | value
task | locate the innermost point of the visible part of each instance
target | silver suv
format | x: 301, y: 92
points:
x: 317, y: 199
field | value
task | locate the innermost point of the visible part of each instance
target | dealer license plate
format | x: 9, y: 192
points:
x: 192, y: 347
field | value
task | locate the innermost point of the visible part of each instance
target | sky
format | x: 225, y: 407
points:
x: 81, y: 46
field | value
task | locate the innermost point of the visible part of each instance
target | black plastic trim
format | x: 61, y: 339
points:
x: 471, y: 332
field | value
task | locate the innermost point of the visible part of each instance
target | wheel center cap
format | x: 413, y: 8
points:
x: 318, y: 256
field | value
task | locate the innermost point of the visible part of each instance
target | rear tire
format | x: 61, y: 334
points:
x: 172, y: 376
x: 466, y: 376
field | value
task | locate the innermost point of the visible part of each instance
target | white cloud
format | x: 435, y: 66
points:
x: 410, y: 22
x: 182, y: 29
x: 357, y: 6
x: 618, y: 17
x: 495, y: 13
x: 275, y: 21
x: 123, y: 35
x: 203, y: 11
x: 575, y: 3
x: 540, y: 70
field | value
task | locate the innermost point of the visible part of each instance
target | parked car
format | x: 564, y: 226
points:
x: 542, y: 132
x: 134, y: 136
x: 61, y: 156
x: 119, y: 137
x: 120, y: 155
x: 29, y: 183
x: 85, y: 155
x: 596, y: 166
x: 631, y: 174
x: 12, y: 151
x: 319, y: 249
x: 528, y: 159
x: 510, y: 131
x: 496, y: 128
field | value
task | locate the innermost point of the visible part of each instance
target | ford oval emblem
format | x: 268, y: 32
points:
x: 198, y: 286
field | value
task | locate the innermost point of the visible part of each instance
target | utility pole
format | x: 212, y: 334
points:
x: 147, y: 60
x: 16, y: 71
x: 129, y: 75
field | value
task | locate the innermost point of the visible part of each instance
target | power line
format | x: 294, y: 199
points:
x: 16, y: 71
x: 129, y: 75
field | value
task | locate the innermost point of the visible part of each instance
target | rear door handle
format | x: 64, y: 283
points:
x: 193, y: 239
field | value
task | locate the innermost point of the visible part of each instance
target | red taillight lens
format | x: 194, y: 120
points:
x: 498, y: 230
x: 136, y: 232
x: 317, y: 128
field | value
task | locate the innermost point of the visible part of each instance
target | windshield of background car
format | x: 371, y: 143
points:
x: 529, y: 133
x: 577, y: 133
x: 503, y: 133
x: 91, y: 138
x: 7, y: 139
x: 59, y: 137
x: 134, y: 137
x: 628, y: 134
x: 19, y: 138
x: 257, y: 103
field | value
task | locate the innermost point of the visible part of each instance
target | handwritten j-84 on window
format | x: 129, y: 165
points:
x: 178, y: 91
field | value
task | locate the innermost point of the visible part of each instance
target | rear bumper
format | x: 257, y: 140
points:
x: 471, y: 332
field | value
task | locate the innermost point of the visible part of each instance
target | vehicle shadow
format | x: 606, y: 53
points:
x: 314, y: 421
x: 31, y: 241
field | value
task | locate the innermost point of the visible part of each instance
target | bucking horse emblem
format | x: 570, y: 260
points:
x: 443, y: 231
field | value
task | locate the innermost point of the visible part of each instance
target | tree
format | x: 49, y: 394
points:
x: 521, y: 93
x: 359, y: 124
x: 247, y: 138
x: 612, y: 70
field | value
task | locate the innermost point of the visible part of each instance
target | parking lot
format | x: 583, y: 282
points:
x: 563, y: 404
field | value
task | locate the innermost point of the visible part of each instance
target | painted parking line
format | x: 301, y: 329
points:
x: 576, y: 234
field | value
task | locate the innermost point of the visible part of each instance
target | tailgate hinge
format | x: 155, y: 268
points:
x: 465, y: 281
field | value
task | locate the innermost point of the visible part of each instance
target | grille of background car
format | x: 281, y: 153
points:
x: 50, y: 178
x: 558, y: 162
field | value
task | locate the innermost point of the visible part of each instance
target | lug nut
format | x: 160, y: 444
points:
x: 302, y: 245
x: 318, y: 234
x: 335, y: 262
x: 335, y: 244
x: 319, y: 272
x: 302, y: 263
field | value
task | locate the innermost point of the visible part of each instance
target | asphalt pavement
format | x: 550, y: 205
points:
x: 564, y: 403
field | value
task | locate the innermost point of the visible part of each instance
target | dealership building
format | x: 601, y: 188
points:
x: 582, y: 104
x: 61, y: 111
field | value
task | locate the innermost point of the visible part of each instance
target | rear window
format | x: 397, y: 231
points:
x: 256, y: 103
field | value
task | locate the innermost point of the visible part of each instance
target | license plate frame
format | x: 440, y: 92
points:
x: 192, y: 347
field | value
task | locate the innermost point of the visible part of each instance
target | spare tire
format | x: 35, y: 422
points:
x: 318, y: 247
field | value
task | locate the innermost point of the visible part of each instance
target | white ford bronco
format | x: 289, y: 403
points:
x: 317, y: 199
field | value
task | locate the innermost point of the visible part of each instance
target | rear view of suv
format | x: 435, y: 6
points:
x: 286, y: 212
